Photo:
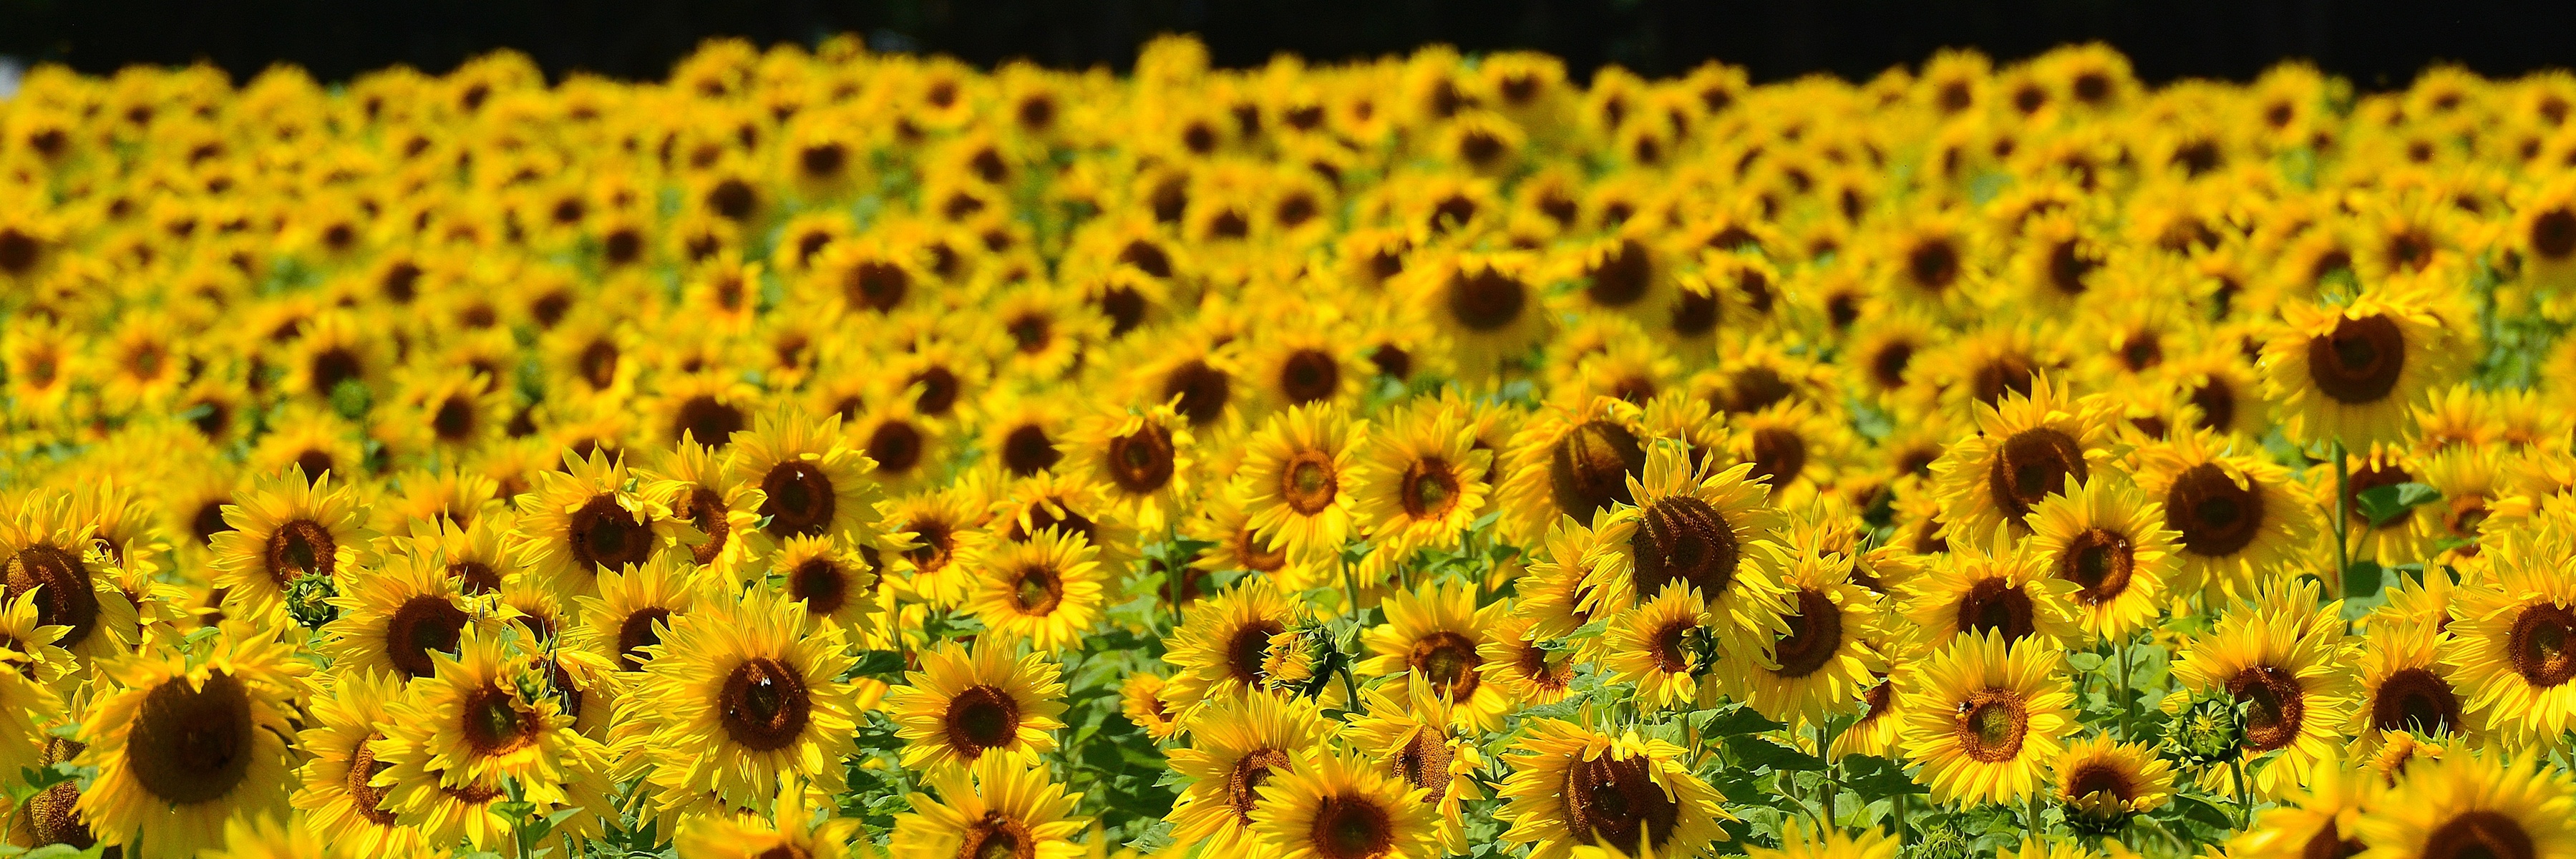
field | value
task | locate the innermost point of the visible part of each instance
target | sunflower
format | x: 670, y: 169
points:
x: 2351, y: 373
x: 634, y: 610
x: 791, y: 829
x: 2407, y: 689
x: 2109, y: 541
x: 688, y: 480
x: 186, y: 741
x: 1818, y: 668
x: 1433, y: 633
x: 1217, y: 653
x: 1572, y: 788
x: 1570, y: 459
x: 1141, y: 459
x: 2237, y: 517
x: 1983, y: 715
x: 2507, y: 648
x: 937, y: 523
x: 1707, y: 528
x: 2027, y: 448
x: 2321, y: 818
x: 285, y: 530
x: 2101, y: 784
x: 998, y: 806
x: 835, y: 583
x: 1803, y: 840
x: 2284, y: 659
x: 2494, y: 803
x: 1517, y: 661
x: 338, y: 796
x: 745, y: 691
x: 968, y: 705
x: 480, y: 721
x: 1420, y: 482
x: 1047, y: 591
x: 50, y: 551
x: 1140, y: 698
x: 1660, y: 647
x: 1487, y: 304
x: 1333, y: 805
x: 811, y: 481
x: 587, y: 521
x: 399, y: 612
x: 1293, y: 478
x: 1409, y: 732
x: 1237, y: 745
x: 1304, y: 363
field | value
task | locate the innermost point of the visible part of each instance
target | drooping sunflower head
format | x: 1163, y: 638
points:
x: 2101, y: 783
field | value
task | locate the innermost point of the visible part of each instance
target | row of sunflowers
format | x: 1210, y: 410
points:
x: 824, y: 453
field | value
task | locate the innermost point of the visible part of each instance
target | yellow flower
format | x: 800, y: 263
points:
x: 1983, y: 716
x: 1572, y: 788
x: 967, y: 705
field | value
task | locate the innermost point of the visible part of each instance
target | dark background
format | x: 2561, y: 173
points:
x: 2376, y: 43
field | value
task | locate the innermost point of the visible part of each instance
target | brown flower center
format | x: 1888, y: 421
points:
x: 299, y: 548
x: 1815, y: 635
x: 1684, y: 538
x: 1997, y: 605
x: 707, y: 420
x: 2032, y: 465
x: 2553, y: 234
x: 604, y: 535
x: 1203, y: 391
x: 997, y: 836
x: 1615, y: 802
x: 822, y: 584
x: 982, y: 718
x: 1779, y: 456
x: 191, y: 746
x: 2215, y: 517
x: 496, y: 723
x: 2329, y: 843
x: 1351, y: 827
x: 1027, y: 450
x: 2542, y: 645
x: 764, y: 704
x: 2480, y: 834
x: 2100, y: 778
x: 896, y: 445
x: 2005, y: 374
x: 368, y: 798
x: 1141, y: 462
x: 1486, y: 301
x: 1243, y: 783
x: 2359, y: 362
x: 1037, y: 590
x: 1424, y: 762
x: 1588, y: 469
x: 2417, y: 700
x: 2099, y: 561
x: 1429, y: 488
x: 420, y: 626
x: 61, y: 581
x: 1309, y: 375
x: 801, y: 499
x: 1622, y: 277
x: 1309, y: 482
x: 2274, y: 706
x: 1991, y: 724
x: 1245, y: 649
x: 640, y: 630
x: 707, y: 511
x: 1449, y: 661
x: 1933, y: 263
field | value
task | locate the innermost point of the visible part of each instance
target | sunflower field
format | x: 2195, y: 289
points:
x: 832, y: 454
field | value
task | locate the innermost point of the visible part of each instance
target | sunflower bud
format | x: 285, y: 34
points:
x: 308, y: 600
x: 1943, y: 839
x: 1301, y: 661
x: 2210, y: 731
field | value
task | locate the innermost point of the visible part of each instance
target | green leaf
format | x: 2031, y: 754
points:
x: 2362, y: 580
x: 872, y: 663
x: 1878, y: 778
x: 1763, y: 752
x: 1734, y: 721
x: 2198, y: 810
x: 2385, y: 504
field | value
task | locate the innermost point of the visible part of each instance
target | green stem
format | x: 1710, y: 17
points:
x: 2343, y: 518
x: 2244, y: 798
x: 1351, y: 592
x: 1896, y: 809
x: 2033, y: 806
x: 1172, y: 576
x: 2128, y: 703
x: 1824, y: 746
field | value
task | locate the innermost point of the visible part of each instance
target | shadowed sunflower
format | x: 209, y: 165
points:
x: 1333, y: 805
x: 1662, y: 647
x: 2237, y: 517
x: 1433, y: 633
x: 812, y: 482
x: 1514, y: 659
x: 1569, y: 460
x: 688, y: 480
x: 836, y: 584
x: 967, y: 705
x: 1409, y: 733
x: 1140, y: 698
x: 751, y: 690
x: 286, y: 529
x: 2405, y: 687
x: 338, y: 794
x: 188, y: 741
x: 2027, y: 448
x: 790, y: 830
x: 1141, y: 459
x: 1217, y: 653
x: 1709, y: 529
x: 392, y: 617
x: 1236, y: 746
x: 50, y: 553
x: 2353, y: 372
x: 1572, y: 788
x: 2496, y: 803
x: 584, y: 522
x: 2107, y: 540
x: 999, y: 807
x: 1488, y: 304
x: 2000, y: 586
x: 1983, y: 716
x: 2101, y: 784
x: 463, y: 733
